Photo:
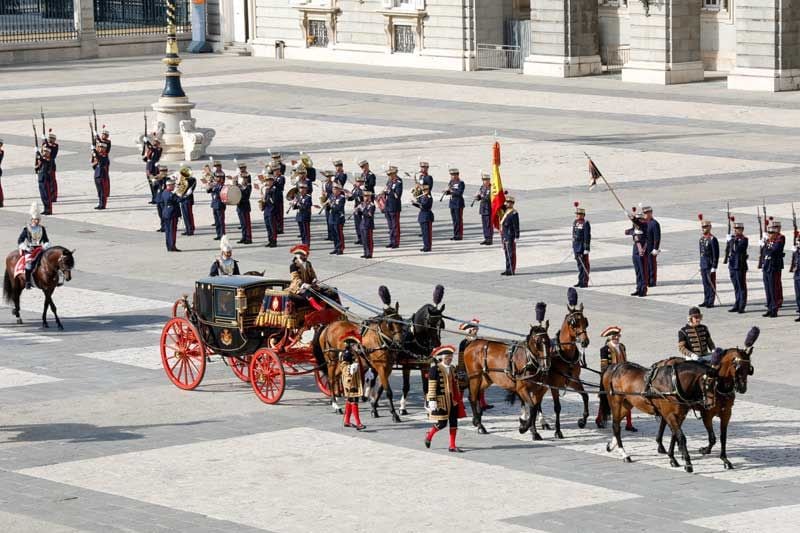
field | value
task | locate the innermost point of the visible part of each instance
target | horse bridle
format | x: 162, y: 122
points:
x: 539, y: 338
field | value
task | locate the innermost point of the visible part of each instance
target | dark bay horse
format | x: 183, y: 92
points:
x: 675, y: 388
x: 517, y: 367
x: 54, y: 268
x: 734, y: 367
x: 328, y: 343
x: 422, y: 336
x: 565, y: 368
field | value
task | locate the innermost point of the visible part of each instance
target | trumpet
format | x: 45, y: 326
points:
x: 325, y: 204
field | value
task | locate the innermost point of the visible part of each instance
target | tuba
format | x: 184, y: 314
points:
x: 182, y: 185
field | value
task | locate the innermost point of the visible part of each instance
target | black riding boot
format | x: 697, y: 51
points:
x: 28, y: 283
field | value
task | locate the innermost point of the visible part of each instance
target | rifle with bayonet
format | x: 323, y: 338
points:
x: 145, y: 141
x: 728, y: 239
x: 41, y: 114
x: 93, y: 142
x: 36, y: 145
x: 793, y: 267
x: 94, y: 114
x: 761, y: 229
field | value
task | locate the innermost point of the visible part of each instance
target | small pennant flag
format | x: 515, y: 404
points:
x: 498, y: 194
x: 594, y: 174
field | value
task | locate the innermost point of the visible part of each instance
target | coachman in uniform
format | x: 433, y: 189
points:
x: 32, y: 242
x: 470, y: 330
x: 611, y: 353
x: 352, y: 382
x: 638, y: 231
x: 394, y: 196
x: 653, y: 233
x: 225, y: 264
x: 425, y: 217
x: 484, y: 197
x: 709, y: 260
x: 694, y: 339
x: 367, y: 211
x: 737, y: 266
x: 455, y: 190
x: 444, y: 396
x: 773, y: 267
x: 581, y: 242
x: 509, y: 230
x: 170, y: 208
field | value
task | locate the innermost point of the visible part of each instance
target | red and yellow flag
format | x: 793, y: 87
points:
x: 498, y: 193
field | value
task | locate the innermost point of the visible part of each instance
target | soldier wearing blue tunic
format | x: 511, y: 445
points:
x: 653, y: 247
x: 394, y: 195
x: 425, y: 217
x: 639, y: 253
x: 709, y: 260
x: 225, y: 264
x: 424, y: 178
x: 369, y: 177
x: 581, y: 242
x: 100, y: 164
x: 455, y: 190
x: 302, y: 204
x: 339, y: 175
x: 169, y: 202
x: 268, y: 205
x: 43, y: 177
x: 336, y: 218
x: 367, y: 212
x: 509, y: 230
x: 151, y: 158
x: 737, y: 266
x: 243, y: 207
x: 773, y: 267
x: 217, y: 205
x: 187, y: 201
x: 50, y: 142
x: 357, y: 196
x: 484, y: 197
x: 280, y: 183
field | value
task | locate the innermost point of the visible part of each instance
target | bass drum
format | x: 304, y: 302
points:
x: 230, y: 194
x: 380, y: 201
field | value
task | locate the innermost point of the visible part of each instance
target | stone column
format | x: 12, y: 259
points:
x: 84, y: 23
x: 564, y: 38
x: 665, y: 42
x: 767, y: 46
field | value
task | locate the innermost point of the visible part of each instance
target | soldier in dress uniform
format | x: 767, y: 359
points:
x: 243, y: 207
x: 327, y: 188
x: 337, y: 218
x: 394, y: 196
x: 268, y: 205
x: 444, y: 396
x: 794, y: 268
x: 50, y: 142
x: 484, y: 197
x: 455, y: 190
x: 709, y: 260
x: 425, y: 217
x: 369, y: 177
x: 357, y: 196
x: 32, y: 241
x: 170, y: 208
x: 151, y: 158
x: 352, y: 382
x: 339, y: 175
x: 302, y: 204
x: 187, y: 201
x: 43, y: 176
x: 104, y: 137
x: 653, y: 247
x: 773, y: 268
x: 737, y: 266
x: 581, y: 242
x: 2, y: 153
x: 638, y: 232
x: 280, y: 184
x: 102, y: 181
x: 159, y: 184
x: 217, y: 205
x: 509, y: 231
x: 276, y: 160
x: 694, y: 339
x: 367, y: 212
x: 612, y: 352
x: 424, y: 178
x: 225, y: 264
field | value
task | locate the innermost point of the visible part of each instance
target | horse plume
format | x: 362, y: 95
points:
x: 386, y: 297
x: 541, y: 307
x: 438, y: 294
x: 572, y: 297
x: 752, y: 336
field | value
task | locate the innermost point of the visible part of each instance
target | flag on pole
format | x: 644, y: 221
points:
x: 498, y: 194
x: 594, y: 174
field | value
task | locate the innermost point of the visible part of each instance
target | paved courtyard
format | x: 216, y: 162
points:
x: 93, y: 437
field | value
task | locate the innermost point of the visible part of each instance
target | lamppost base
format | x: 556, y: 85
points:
x: 180, y: 138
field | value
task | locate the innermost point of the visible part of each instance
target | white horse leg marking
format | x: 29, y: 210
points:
x: 403, y: 402
x: 334, y: 405
x: 623, y: 453
x: 612, y: 444
x: 524, y: 414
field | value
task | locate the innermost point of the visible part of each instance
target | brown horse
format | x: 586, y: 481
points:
x: 327, y: 345
x: 54, y: 268
x: 516, y: 367
x: 382, y: 338
x: 673, y: 390
x: 734, y: 367
x: 565, y: 370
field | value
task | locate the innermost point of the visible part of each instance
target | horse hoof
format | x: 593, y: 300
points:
x: 559, y: 435
x: 662, y: 450
x: 704, y: 451
x: 536, y: 436
x: 396, y: 419
x: 688, y: 469
x: 482, y: 430
x: 627, y: 460
x: 581, y: 423
x: 608, y: 447
x: 600, y: 425
x: 404, y: 412
x: 546, y: 427
x: 19, y: 321
x: 727, y: 464
x: 673, y: 463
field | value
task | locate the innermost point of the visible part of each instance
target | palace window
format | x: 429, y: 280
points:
x: 418, y: 5
x: 317, y: 33
x: 318, y: 21
x: 403, y: 39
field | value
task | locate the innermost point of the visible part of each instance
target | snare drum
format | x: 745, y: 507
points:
x: 230, y: 194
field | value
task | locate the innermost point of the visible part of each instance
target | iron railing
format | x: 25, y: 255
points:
x: 615, y: 57
x: 114, y: 18
x: 404, y: 39
x: 37, y: 20
x: 499, y: 57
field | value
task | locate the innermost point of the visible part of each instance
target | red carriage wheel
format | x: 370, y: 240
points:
x: 267, y: 376
x: 179, y: 309
x: 240, y: 367
x: 322, y: 382
x: 183, y: 354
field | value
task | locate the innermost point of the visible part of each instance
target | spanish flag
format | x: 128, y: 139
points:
x: 498, y: 193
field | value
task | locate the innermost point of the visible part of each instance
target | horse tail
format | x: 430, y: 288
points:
x: 8, y: 288
x: 605, y: 406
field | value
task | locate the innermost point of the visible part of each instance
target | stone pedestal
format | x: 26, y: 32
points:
x: 180, y: 138
x: 564, y: 39
x: 767, y: 46
x: 665, y: 42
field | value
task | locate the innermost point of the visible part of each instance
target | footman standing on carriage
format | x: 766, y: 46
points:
x: 444, y: 396
x: 773, y: 268
x: 170, y: 204
x: 455, y: 190
x: 694, y: 339
x: 509, y: 230
x: 32, y: 242
x: 484, y: 197
x: 352, y: 382
x: 611, y: 353
x: 709, y: 260
x: 225, y: 264
x: 581, y: 241
x: 217, y: 205
x: 337, y: 218
x: 43, y: 177
x: 367, y: 211
x: 737, y: 266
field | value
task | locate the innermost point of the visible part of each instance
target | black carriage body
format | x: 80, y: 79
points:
x: 225, y: 310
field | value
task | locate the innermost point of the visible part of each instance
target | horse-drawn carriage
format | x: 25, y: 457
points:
x: 261, y: 345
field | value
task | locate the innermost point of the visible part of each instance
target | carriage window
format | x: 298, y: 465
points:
x: 224, y: 303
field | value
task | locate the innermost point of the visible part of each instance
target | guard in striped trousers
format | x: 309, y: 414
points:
x: 394, y: 195
x: 367, y: 210
x: 581, y: 242
x: 337, y: 218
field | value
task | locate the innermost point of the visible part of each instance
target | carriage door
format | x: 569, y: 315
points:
x: 240, y: 21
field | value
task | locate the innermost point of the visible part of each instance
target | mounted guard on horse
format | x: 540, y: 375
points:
x: 32, y: 241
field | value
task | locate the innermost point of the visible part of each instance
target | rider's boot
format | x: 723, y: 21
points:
x: 28, y: 282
